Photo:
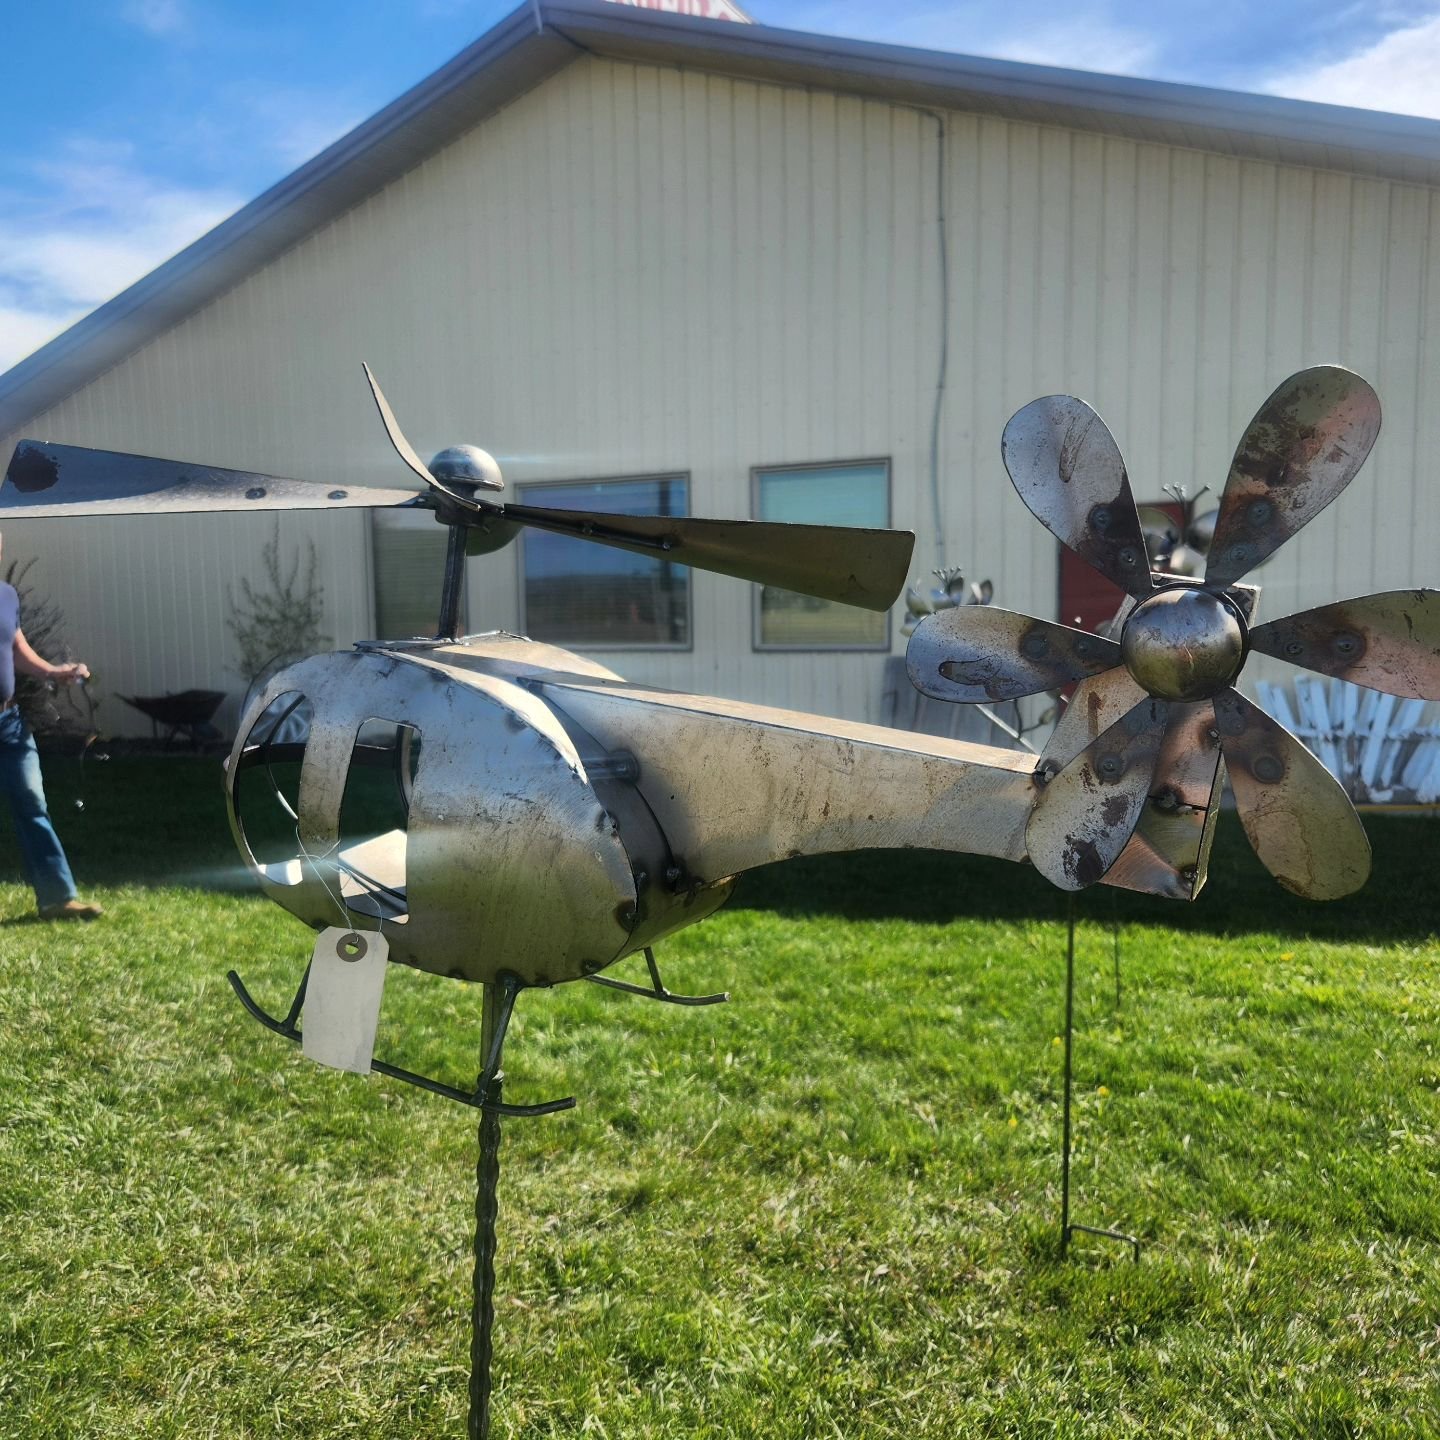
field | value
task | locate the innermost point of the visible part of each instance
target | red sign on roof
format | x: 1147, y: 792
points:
x: 706, y: 9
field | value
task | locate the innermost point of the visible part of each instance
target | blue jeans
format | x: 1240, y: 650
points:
x: 40, y: 852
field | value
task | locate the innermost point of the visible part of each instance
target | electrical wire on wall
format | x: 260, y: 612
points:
x: 942, y: 252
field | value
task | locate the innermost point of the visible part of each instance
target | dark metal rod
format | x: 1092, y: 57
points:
x: 453, y: 585
x: 656, y: 989
x: 1067, y: 1229
x: 487, y: 1209
x: 1069, y: 1049
x: 1117, y: 964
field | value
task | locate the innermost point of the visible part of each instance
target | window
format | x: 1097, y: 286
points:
x: 408, y: 547
x: 575, y: 592
x: 855, y: 493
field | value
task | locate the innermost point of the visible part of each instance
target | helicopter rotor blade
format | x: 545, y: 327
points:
x: 1389, y: 641
x: 1085, y: 815
x: 1298, y: 819
x: 45, y: 480
x: 832, y: 562
x: 1301, y: 450
x: 1066, y: 466
x: 974, y: 654
x: 397, y: 436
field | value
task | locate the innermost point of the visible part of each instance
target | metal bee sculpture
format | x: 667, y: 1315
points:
x: 554, y: 819
x: 1137, y: 757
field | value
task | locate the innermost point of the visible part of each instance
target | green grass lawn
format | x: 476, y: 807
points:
x: 829, y: 1208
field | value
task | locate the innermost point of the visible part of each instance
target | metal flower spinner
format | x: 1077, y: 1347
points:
x: 1139, y: 750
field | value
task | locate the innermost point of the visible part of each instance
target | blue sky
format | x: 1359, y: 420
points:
x: 133, y: 126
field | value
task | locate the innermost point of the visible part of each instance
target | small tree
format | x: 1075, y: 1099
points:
x: 279, y: 621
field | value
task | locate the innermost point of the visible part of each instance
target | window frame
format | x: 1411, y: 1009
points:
x: 524, y: 495
x: 761, y: 646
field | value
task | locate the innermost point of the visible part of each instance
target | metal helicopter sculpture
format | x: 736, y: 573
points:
x: 557, y: 819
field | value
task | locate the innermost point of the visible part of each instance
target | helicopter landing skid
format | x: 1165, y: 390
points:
x: 656, y: 989
x: 479, y: 1098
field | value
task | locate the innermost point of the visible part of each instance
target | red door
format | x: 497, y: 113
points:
x: 1087, y: 598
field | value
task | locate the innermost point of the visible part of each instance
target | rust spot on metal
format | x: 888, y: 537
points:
x: 1083, y: 862
x: 1113, y: 811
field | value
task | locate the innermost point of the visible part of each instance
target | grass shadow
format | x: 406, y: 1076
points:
x: 161, y: 822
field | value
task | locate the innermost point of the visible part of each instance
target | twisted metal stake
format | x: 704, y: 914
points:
x: 487, y: 1210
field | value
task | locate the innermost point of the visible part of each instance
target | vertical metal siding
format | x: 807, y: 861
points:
x: 633, y: 270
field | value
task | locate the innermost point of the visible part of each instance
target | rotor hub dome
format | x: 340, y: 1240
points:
x: 1183, y: 644
x: 469, y: 465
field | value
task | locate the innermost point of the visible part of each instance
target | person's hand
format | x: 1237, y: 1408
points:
x: 75, y: 673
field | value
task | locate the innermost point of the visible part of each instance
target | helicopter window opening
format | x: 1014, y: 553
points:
x: 844, y: 493
x: 574, y: 592
x: 375, y: 819
x: 267, y: 787
x: 408, y: 552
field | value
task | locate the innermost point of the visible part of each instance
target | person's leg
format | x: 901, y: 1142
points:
x: 40, y: 850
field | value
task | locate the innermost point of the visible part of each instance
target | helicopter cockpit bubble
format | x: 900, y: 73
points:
x: 503, y: 858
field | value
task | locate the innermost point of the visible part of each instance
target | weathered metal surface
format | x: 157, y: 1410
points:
x: 561, y: 818
x: 1185, y: 643
x: 1084, y: 816
x: 512, y: 862
x: 1298, y: 820
x: 980, y: 653
x: 1094, y: 707
x: 1388, y: 642
x: 50, y: 480
x: 1066, y: 466
x: 736, y: 785
x: 1299, y: 452
x: 1168, y: 852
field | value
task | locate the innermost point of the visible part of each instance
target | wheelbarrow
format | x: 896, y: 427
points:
x: 187, y: 712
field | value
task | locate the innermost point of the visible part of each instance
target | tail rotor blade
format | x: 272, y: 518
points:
x: 1085, y: 815
x: 50, y: 480
x: 982, y: 654
x: 832, y: 562
x: 1389, y: 641
x: 1066, y: 466
x: 1301, y: 450
x: 1296, y: 816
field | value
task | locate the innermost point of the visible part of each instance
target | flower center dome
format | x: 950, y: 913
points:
x: 1183, y: 644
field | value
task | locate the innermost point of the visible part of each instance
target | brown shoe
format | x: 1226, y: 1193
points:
x: 71, y: 910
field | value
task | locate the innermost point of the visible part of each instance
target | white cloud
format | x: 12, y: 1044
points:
x: 294, y: 124
x: 1398, y: 73
x: 156, y: 17
x: 1078, y: 45
x: 22, y: 332
x: 102, y: 225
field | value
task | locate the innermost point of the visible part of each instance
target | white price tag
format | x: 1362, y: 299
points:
x: 342, y: 998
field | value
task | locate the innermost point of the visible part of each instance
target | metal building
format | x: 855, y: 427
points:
x: 654, y: 260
